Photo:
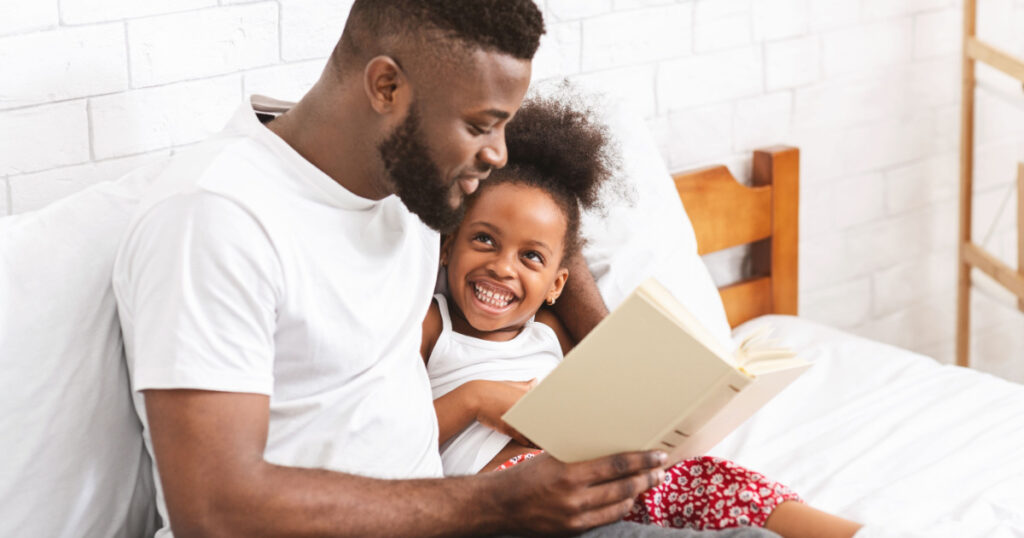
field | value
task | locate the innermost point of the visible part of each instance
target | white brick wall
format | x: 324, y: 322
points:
x: 869, y: 90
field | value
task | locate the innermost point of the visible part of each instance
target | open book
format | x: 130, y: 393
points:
x: 650, y: 376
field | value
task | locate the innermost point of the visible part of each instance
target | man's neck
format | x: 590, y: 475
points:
x: 336, y: 142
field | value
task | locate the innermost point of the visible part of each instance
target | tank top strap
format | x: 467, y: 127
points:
x: 442, y: 306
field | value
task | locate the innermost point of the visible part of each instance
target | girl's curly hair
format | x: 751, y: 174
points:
x: 555, y: 144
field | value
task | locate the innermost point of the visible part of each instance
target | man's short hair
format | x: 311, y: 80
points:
x: 512, y: 27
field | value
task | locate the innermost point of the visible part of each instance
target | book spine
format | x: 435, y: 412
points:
x: 678, y: 439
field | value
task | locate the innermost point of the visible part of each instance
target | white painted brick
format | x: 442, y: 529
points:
x: 918, y: 326
x: 43, y: 137
x: 23, y: 15
x: 883, y: 9
x: 632, y: 37
x: 695, y: 135
x: 936, y: 33
x: 780, y: 19
x: 847, y: 101
x: 632, y: 84
x: 792, y: 63
x: 33, y: 191
x: 221, y: 40
x: 153, y: 118
x: 995, y: 163
x: 832, y: 15
x: 913, y: 281
x: 721, y: 24
x: 996, y: 24
x: 829, y: 152
x: 710, y: 78
x: 923, y: 183
x: 87, y: 11
x: 845, y: 305
x: 564, y: 10
x: 945, y: 128
x: 559, y: 52
x: 311, y: 29
x: 927, y: 5
x: 998, y: 350
x: 994, y: 213
x: 935, y: 82
x: 635, y: 4
x: 867, y: 47
x: 943, y: 352
x: 996, y: 118
x: 62, y: 64
x: 287, y: 81
x: 858, y: 200
x: 830, y: 207
x: 762, y: 121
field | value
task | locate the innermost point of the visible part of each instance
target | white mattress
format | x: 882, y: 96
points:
x: 890, y: 438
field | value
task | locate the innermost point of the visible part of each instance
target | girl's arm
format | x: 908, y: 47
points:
x: 480, y: 401
x: 432, y: 326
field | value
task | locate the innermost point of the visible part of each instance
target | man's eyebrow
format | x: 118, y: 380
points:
x: 500, y: 114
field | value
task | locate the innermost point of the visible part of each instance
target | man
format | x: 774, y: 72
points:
x: 271, y: 293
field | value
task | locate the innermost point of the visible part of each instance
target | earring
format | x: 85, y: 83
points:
x: 551, y: 301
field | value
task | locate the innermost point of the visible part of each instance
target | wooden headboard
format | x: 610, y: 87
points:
x: 727, y: 214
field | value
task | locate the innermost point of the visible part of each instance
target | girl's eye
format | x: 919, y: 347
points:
x: 534, y: 256
x: 483, y: 238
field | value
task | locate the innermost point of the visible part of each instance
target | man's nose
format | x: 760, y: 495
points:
x: 495, y: 154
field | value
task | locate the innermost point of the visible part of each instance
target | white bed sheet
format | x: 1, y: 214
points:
x: 890, y: 438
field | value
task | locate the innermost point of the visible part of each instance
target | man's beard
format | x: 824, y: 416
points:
x: 416, y: 179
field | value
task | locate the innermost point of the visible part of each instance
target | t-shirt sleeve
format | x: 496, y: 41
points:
x: 198, y: 282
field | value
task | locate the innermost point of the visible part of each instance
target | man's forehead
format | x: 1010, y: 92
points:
x: 489, y: 83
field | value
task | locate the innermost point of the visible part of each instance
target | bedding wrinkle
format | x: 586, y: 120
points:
x: 891, y: 438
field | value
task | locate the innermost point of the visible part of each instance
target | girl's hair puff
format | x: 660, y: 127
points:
x: 555, y: 144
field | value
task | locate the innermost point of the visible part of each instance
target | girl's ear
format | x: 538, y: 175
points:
x: 446, y: 248
x: 557, y: 285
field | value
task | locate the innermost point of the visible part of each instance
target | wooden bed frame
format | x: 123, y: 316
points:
x: 727, y: 214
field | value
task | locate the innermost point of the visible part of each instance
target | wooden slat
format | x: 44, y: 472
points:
x: 723, y: 212
x: 780, y: 168
x: 985, y: 53
x: 1020, y: 227
x: 995, y: 268
x: 963, y: 295
x: 747, y: 300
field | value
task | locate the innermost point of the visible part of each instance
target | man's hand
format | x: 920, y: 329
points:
x: 494, y: 398
x: 547, y: 496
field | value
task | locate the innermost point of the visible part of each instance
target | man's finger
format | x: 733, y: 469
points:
x: 621, y: 465
x: 623, y: 489
x: 601, y: 516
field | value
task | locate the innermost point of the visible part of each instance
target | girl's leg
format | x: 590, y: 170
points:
x: 710, y: 493
x: 797, y: 520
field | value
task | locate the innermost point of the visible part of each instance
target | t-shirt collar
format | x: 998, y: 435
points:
x: 246, y: 122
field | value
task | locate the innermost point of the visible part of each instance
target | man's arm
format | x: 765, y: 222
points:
x: 209, y: 452
x: 580, y: 307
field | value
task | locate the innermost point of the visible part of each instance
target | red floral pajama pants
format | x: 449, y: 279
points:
x: 704, y: 493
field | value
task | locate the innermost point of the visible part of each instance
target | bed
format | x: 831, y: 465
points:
x: 872, y: 432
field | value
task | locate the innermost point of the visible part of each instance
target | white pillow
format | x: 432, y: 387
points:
x: 652, y: 236
x: 73, y: 461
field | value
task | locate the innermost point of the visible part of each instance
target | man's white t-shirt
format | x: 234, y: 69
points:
x: 247, y: 269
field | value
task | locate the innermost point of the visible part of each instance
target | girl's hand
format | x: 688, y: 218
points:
x: 494, y: 398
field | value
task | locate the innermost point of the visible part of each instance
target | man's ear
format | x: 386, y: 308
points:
x: 558, y: 285
x: 386, y: 85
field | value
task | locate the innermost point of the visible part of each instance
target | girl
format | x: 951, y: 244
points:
x: 488, y: 338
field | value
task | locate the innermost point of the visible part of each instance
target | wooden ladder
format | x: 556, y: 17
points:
x: 971, y: 255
